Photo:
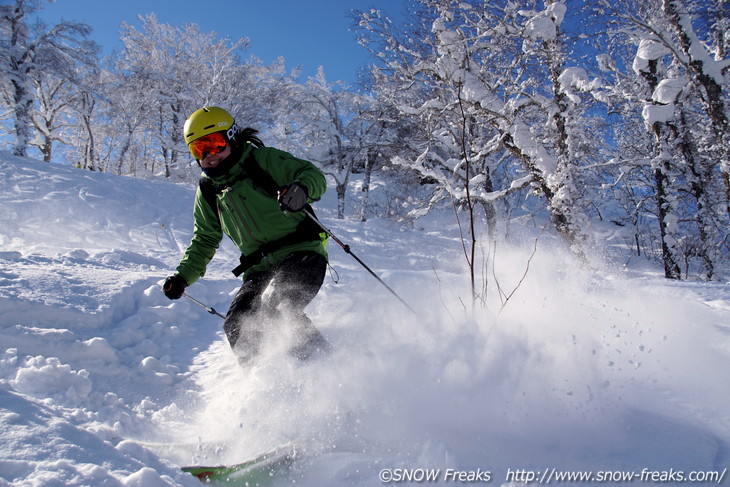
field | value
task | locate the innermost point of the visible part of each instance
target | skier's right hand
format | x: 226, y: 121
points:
x: 174, y: 286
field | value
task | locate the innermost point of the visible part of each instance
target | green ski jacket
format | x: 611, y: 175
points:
x: 249, y: 215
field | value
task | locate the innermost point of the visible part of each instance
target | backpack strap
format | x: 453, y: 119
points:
x: 208, y: 191
x: 261, y: 178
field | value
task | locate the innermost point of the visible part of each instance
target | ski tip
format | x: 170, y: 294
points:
x: 260, y: 466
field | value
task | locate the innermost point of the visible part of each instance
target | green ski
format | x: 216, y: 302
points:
x: 256, y: 471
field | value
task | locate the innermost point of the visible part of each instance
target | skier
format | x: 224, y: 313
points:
x: 255, y: 195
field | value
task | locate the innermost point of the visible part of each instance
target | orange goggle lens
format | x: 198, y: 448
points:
x: 208, y: 144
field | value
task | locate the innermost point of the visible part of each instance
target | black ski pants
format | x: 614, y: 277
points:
x: 281, y: 293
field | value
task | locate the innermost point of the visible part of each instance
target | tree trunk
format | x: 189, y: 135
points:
x: 23, y: 102
x: 369, y: 164
x: 662, y: 182
x: 713, y: 100
x: 341, y: 189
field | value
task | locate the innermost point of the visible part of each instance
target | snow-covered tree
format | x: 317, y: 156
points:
x: 380, y: 136
x: 53, y: 95
x: 656, y: 113
x: 495, y: 100
x: 679, y: 91
x: 706, y: 65
x: 35, y: 56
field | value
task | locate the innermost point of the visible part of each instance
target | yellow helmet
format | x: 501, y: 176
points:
x: 207, y: 120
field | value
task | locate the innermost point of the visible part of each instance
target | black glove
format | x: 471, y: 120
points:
x: 174, y: 286
x: 292, y: 197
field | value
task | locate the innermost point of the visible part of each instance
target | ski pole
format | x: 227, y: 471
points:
x: 347, y: 250
x: 206, y: 308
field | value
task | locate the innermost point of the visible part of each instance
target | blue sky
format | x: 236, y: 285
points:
x: 307, y: 33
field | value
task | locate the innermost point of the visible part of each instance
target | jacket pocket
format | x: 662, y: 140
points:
x: 244, y: 229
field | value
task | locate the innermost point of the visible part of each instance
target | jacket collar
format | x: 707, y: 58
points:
x: 237, y: 169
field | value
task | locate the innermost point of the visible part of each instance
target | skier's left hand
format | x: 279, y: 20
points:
x: 292, y: 197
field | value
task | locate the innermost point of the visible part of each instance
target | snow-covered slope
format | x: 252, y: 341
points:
x: 105, y: 382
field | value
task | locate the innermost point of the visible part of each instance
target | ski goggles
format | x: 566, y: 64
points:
x: 207, y: 145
